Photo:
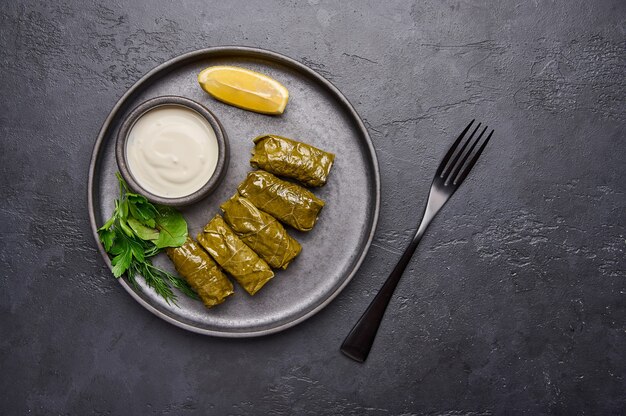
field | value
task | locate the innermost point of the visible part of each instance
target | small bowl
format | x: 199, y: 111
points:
x: 171, y: 100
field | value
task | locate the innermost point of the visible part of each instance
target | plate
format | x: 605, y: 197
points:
x: 317, y: 113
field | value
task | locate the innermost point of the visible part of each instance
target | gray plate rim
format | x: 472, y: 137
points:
x: 153, y: 76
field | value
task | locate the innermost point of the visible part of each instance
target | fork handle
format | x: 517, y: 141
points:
x: 359, y: 341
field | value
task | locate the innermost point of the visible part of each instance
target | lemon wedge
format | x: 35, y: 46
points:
x: 245, y: 89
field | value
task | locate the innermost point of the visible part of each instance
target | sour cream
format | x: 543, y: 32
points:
x: 171, y: 151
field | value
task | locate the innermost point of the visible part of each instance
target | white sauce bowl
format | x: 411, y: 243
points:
x: 172, y: 150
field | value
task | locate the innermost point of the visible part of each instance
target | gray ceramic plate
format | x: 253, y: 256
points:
x: 317, y: 113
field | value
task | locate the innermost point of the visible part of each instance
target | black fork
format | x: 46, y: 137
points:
x: 451, y: 173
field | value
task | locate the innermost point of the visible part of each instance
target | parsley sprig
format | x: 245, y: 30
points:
x: 137, y: 231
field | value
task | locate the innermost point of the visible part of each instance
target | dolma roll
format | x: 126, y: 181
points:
x: 250, y: 271
x: 288, y: 202
x: 285, y: 157
x: 201, y: 272
x: 261, y: 232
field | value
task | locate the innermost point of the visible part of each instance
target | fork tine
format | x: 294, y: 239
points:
x: 459, y: 165
x: 448, y: 155
x: 446, y: 173
x: 472, y: 162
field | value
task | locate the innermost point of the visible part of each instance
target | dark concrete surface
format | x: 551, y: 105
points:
x: 513, y: 304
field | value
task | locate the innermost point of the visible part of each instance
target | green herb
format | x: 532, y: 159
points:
x: 172, y: 226
x: 138, y: 230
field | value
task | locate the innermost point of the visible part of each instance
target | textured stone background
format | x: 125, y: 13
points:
x: 514, y: 302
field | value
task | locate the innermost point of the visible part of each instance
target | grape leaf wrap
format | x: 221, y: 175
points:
x: 292, y: 159
x: 288, y: 202
x: 261, y: 232
x: 201, y: 272
x: 235, y: 257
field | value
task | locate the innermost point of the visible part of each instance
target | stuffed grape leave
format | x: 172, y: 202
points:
x: 288, y: 202
x: 261, y: 232
x: 201, y: 272
x: 285, y: 157
x: 250, y: 271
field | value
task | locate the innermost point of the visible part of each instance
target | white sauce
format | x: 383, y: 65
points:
x: 171, y: 151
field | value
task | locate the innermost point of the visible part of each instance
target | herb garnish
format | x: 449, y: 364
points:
x: 138, y: 230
